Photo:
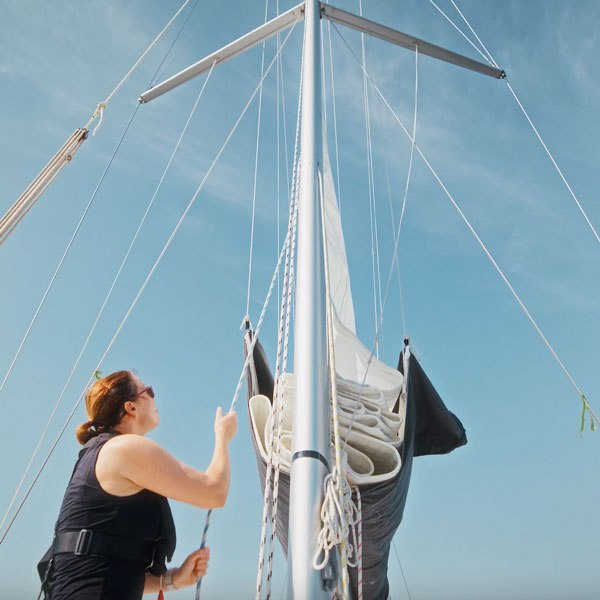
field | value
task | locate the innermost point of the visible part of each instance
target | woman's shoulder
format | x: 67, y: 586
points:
x: 120, y: 461
x: 126, y: 441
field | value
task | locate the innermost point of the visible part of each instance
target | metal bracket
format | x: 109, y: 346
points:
x: 398, y: 38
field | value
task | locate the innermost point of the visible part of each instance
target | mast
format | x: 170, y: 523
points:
x: 310, y: 434
x: 310, y: 430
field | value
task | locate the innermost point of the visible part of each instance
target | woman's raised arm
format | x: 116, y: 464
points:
x: 130, y: 462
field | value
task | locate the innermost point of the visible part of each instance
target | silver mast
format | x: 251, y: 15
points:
x: 310, y: 433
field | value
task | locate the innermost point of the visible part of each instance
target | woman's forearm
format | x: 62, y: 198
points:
x: 152, y: 583
x: 219, y: 470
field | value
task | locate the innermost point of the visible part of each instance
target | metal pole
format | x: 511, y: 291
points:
x: 310, y: 441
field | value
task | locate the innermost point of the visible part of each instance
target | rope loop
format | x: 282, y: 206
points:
x: 102, y: 106
x: 339, y: 516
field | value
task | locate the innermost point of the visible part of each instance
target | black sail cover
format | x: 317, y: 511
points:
x: 430, y: 428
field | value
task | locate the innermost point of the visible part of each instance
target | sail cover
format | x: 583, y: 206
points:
x: 387, y: 416
x: 429, y: 428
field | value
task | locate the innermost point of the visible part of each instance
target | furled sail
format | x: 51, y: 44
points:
x: 381, y: 411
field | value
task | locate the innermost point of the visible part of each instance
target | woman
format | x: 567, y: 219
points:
x: 115, y: 528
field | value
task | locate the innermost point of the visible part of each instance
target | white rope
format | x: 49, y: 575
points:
x: 338, y: 517
x: 337, y: 508
x: 484, y: 248
x: 387, y: 288
x: 372, y: 222
x: 491, y: 58
x: 101, y: 311
x: 278, y: 392
x: 285, y: 145
x: 410, y: 164
x: 282, y: 349
x: 277, y: 153
x: 359, y: 574
x: 262, y: 69
x: 104, y: 104
x: 145, y: 283
x: 461, y: 31
x: 335, y: 134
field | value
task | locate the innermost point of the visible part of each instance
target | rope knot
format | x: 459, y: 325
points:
x: 99, y: 111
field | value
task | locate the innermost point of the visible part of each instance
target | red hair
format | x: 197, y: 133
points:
x: 104, y: 404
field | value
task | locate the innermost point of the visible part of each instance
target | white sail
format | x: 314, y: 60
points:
x: 367, y: 389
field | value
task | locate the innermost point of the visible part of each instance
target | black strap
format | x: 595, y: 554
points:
x: 310, y: 454
x: 86, y: 541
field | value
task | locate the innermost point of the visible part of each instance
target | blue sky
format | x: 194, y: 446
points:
x: 512, y: 514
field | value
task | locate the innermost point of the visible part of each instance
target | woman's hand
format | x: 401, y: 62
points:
x: 193, y: 567
x: 225, y: 426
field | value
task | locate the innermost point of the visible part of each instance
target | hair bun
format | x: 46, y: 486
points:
x: 85, y: 432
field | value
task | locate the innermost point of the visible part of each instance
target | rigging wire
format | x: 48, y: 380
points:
x: 108, y: 295
x: 473, y: 32
x: 162, y: 62
x: 102, y: 106
x: 402, y: 211
x: 375, y: 263
x: 250, y: 351
x: 277, y: 152
x: 67, y: 249
x: 479, y: 240
x: 410, y: 165
x: 40, y: 184
x: 335, y: 134
x: 395, y: 260
x: 72, y: 152
x: 288, y: 294
x: 533, y: 127
x: 262, y: 70
x: 486, y: 58
x: 143, y: 287
x: 401, y: 570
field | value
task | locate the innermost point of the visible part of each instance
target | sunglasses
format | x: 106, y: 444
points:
x: 146, y: 389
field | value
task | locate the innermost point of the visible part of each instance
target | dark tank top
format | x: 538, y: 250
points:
x: 144, y: 516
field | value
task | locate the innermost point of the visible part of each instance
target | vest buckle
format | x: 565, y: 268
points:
x: 84, y: 542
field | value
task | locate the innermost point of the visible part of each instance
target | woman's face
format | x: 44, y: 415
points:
x: 146, y: 411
